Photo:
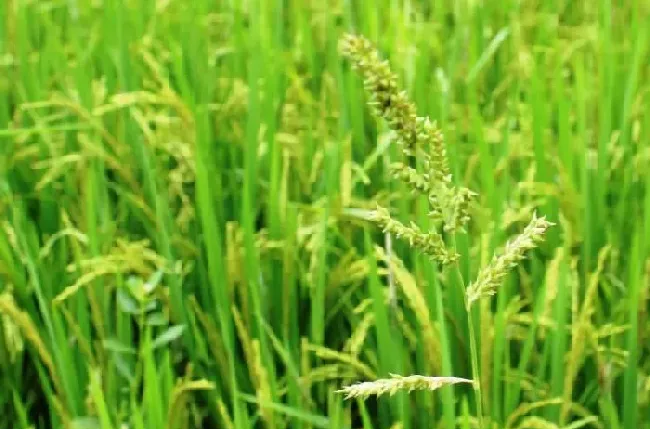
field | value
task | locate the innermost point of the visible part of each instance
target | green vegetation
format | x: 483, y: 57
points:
x: 188, y: 215
x: 423, y: 142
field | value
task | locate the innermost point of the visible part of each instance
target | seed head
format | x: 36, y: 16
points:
x: 397, y: 383
x: 490, y: 277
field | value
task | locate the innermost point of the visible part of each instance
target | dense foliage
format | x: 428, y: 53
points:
x: 188, y: 214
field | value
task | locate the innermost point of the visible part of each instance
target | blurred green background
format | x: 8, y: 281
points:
x: 182, y: 190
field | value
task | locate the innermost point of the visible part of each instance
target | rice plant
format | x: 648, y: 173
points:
x: 209, y: 219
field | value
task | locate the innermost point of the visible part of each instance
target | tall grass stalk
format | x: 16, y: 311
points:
x: 448, y: 204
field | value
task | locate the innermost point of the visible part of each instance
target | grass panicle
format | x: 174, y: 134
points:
x: 397, y: 383
x: 449, y: 206
x: 492, y: 276
x: 430, y: 243
x: 387, y: 100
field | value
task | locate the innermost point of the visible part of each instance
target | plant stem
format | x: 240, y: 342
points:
x: 473, y: 343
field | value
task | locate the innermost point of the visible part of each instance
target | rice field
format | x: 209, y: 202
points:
x: 210, y: 215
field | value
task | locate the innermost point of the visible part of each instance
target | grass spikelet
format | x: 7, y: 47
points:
x: 418, y: 135
x: 351, y: 361
x: 430, y: 243
x: 13, y: 339
x: 82, y: 281
x: 525, y: 409
x: 581, y: 329
x: 327, y: 372
x: 246, y: 343
x: 12, y: 238
x: 67, y: 232
x: 458, y: 210
x: 387, y: 100
x: 124, y: 257
x: 264, y: 395
x: 358, y: 337
x: 420, y: 182
x: 397, y: 383
x: 491, y: 277
x: 178, y: 399
x: 29, y: 331
x: 436, y: 155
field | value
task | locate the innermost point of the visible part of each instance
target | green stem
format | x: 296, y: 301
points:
x: 473, y: 344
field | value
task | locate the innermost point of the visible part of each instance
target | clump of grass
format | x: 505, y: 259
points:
x: 239, y: 152
x: 448, y: 209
